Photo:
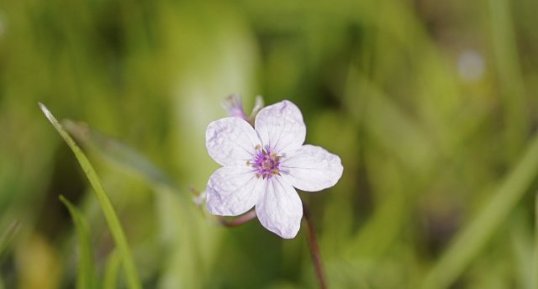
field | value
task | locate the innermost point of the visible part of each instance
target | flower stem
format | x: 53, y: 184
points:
x: 240, y: 220
x: 314, y: 249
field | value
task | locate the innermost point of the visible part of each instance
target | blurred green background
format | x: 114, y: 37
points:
x: 432, y: 106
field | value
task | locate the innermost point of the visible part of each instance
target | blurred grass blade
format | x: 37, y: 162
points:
x: 109, y: 212
x: 111, y: 271
x: 118, y: 152
x: 521, y: 241
x: 86, y: 270
x: 7, y: 236
x: 508, y: 67
x: 471, y: 240
x: 535, y: 259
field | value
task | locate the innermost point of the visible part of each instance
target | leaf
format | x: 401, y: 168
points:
x: 111, y: 217
x: 86, y: 271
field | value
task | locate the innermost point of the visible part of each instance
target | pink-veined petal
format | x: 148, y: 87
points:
x: 281, y: 127
x: 280, y: 209
x: 232, y: 191
x: 231, y: 141
x: 312, y: 168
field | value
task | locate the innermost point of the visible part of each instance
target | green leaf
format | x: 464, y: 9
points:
x: 111, y: 217
x: 86, y: 270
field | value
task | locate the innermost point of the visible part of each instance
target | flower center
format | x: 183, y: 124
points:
x: 266, y: 163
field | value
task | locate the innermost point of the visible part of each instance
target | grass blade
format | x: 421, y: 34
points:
x: 86, y: 270
x: 118, y: 152
x: 111, y: 271
x: 7, y: 236
x: 111, y: 217
x: 535, y: 259
x: 472, y: 239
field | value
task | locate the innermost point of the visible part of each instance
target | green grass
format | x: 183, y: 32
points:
x: 108, y: 210
x: 7, y: 237
x: 430, y: 105
x: 86, y: 278
x: 475, y: 235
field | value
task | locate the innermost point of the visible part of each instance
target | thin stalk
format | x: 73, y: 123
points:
x: 312, y: 239
x: 246, y: 217
x: 314, y: 249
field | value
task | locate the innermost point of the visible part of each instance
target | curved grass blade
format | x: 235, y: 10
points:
x: 112, y: 220
x: 86, y: 270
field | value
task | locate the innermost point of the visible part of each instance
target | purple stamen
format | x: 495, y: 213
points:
x: 266, y: 163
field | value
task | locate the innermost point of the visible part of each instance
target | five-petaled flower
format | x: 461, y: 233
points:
x: 261, y: 166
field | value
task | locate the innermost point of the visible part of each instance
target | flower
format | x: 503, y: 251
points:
x: 262, y: 167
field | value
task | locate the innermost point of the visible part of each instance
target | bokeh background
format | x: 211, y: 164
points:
x: 432, y: 106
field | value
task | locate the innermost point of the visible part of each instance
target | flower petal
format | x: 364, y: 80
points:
x: 280, y: 126
x: 280, y: 209
x: 231, y: 141
x: 232, y: 191
x: 312, y: 168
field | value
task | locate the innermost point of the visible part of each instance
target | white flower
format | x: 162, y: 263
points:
x: 261, y: 166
